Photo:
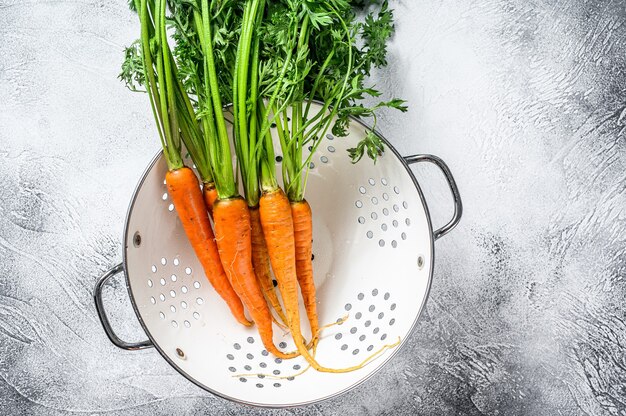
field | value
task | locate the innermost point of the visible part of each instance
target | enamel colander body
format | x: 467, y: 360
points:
x: 373, y: 247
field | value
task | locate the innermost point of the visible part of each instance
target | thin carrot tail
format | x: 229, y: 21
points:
x: 210, y: 196
x: 303, y: 240
x: 233, y: 236
x: 184, y: 189
x: 261, y: 263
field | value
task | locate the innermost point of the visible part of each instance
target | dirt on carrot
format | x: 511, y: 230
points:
x: 210, y: 196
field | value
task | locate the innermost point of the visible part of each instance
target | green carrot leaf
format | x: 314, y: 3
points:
x: 132, y: 68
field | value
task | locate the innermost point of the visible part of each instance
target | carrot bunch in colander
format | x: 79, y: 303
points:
x: 271, y: 60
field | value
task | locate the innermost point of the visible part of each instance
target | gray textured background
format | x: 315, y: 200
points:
x: 526, y: 101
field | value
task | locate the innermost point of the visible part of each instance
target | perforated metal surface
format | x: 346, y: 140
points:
x: 372, y: 260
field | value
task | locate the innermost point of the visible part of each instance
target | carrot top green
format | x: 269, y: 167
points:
x: 297, y: 52
x: 149, y: 63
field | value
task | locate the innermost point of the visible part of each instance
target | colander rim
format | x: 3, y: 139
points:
x: 380, y: 365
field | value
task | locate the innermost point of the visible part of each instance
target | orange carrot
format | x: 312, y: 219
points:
x: 183, y: 187
x: 277, y: 225
x: 210, y: 195
x: 303, y: 240
x: 261, y: 264
x: 233, y: 236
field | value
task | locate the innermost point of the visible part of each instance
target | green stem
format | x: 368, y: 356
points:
x: 252, y: 182
x: 224, y: 176
x: 162, y: 96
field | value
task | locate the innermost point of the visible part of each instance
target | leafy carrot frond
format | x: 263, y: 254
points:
x: 132, y: 68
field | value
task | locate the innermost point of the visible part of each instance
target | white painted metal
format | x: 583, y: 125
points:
x: 373, y: 260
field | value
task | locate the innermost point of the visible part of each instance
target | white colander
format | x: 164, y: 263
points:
x: 373, y: 260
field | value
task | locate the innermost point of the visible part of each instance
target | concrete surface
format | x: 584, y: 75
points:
x: 526, y: 101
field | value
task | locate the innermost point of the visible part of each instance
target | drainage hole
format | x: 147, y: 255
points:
x: 137, y: 239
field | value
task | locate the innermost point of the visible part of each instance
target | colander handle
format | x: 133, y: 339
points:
x: 97, y: 295
x: 458, y: 205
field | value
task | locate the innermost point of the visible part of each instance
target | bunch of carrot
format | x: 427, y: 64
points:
x: 265, y: 57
